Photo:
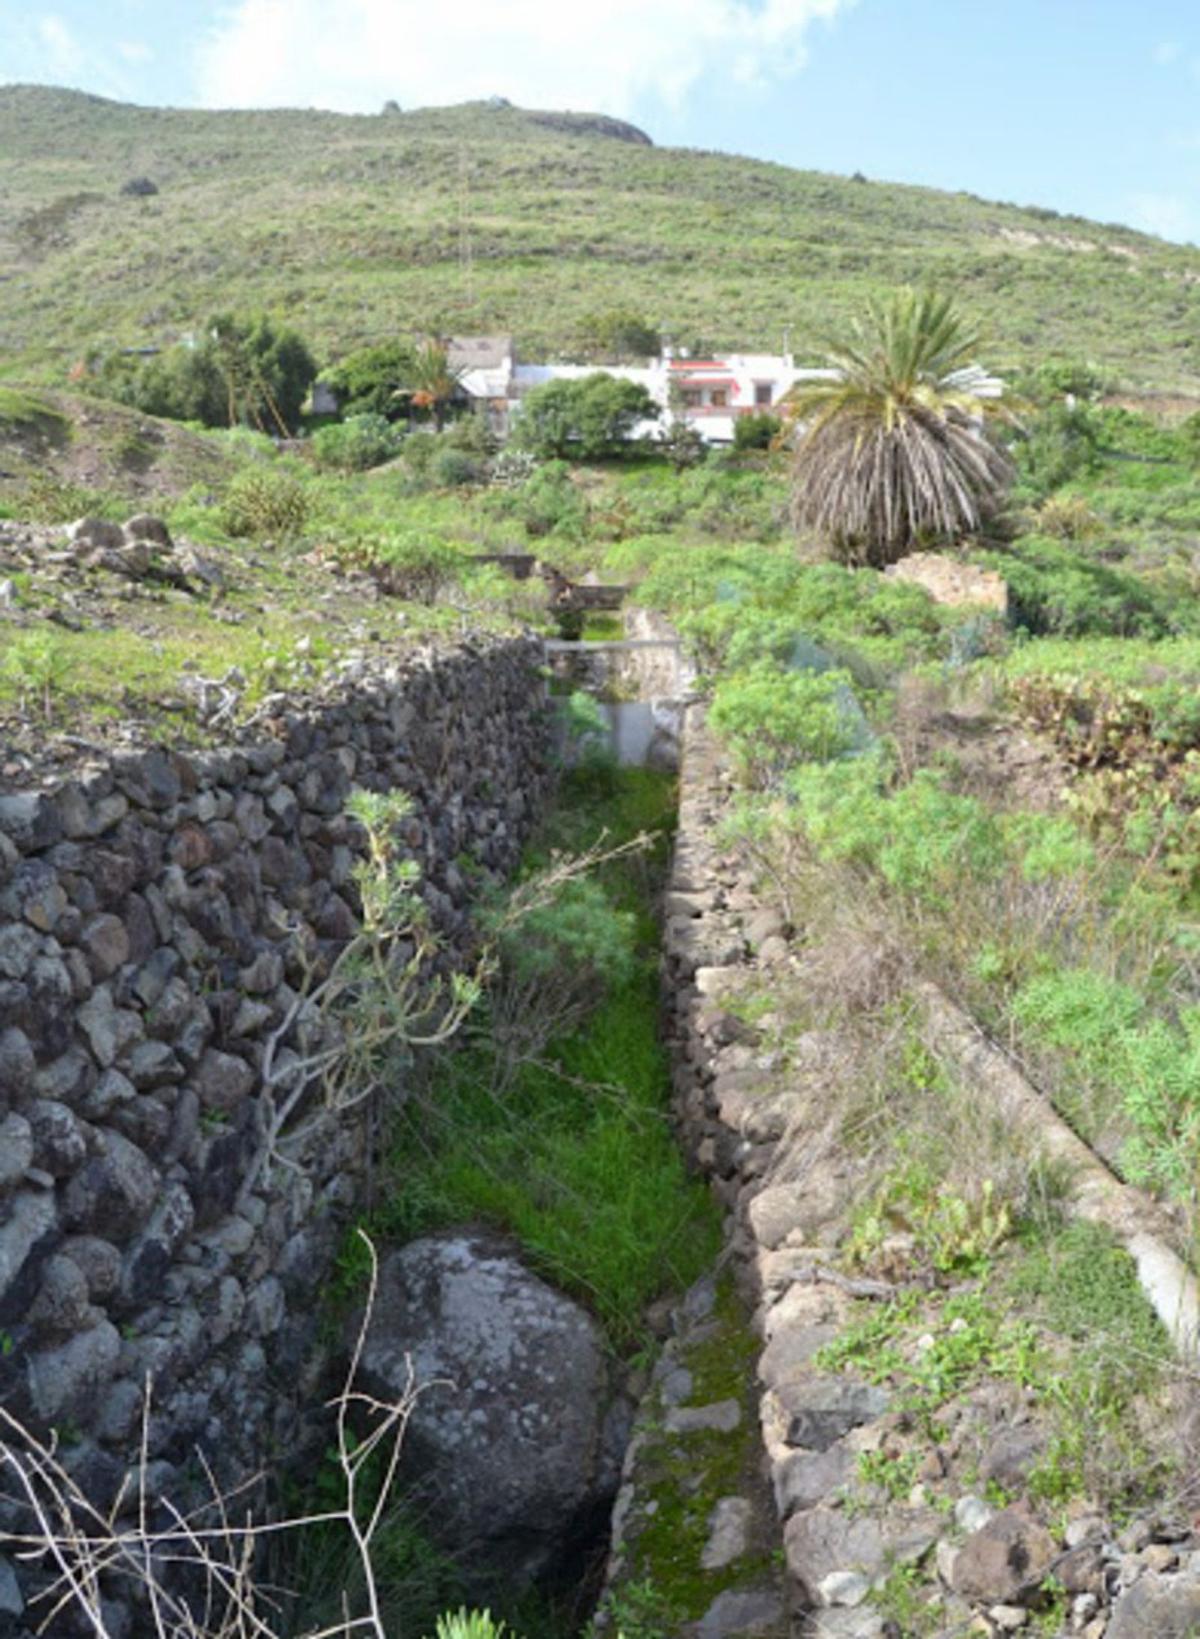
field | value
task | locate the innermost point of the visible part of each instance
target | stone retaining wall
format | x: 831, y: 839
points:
x: 152, y: 912
x: 759, y: 1112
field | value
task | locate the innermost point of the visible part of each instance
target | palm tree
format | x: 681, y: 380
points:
x: 893, y: 446
x: 434, y: 381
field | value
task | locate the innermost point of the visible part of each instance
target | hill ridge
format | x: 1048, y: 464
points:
x: 485, y: 217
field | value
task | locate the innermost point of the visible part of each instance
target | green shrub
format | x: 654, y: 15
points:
x: 1057, y: 445
x: 920, y: 838
x: 756, y: 432
x: 368, y: 380
x: 1057, y: 588
x: 263, y: 502
x: 465, y: 1624
x: 773, y: 719
x: 451, y: 468
x: 587, y: 419
x: 359, y: 442
x: 414, y: 567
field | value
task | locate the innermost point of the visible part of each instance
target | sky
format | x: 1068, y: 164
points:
x: 1087, y: 106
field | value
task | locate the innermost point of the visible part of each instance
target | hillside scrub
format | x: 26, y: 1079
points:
x: 277, y: 207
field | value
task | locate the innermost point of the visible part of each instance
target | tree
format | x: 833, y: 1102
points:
x: 589, y: 418
x: 368, y: 380
x: 894, y: 447
x: 619, y: 334
x: 244, y: 372
x: 433, y: 382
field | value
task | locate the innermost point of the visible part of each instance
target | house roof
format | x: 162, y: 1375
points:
x: 478, y: 352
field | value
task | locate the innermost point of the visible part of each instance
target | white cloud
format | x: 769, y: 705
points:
x: 134, y: 51
x: 1167, y: 215
x: 611, y: 55
x: 63, y: 54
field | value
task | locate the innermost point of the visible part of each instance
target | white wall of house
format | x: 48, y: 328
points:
x: 718, y: 390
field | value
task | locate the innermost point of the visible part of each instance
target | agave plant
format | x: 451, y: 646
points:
x: 894, y: 445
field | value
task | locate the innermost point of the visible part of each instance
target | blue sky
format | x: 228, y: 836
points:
x: 1084, y: 105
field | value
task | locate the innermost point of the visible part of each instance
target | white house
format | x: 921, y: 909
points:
x: 710, y: 394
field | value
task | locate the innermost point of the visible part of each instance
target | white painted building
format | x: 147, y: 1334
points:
x: 710, y: 393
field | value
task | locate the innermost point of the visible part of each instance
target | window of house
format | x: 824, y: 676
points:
x: 719, y: 398
x: 762, y: 393
x: 692, y: 398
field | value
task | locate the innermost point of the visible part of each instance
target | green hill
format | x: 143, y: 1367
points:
x: 485, y: 217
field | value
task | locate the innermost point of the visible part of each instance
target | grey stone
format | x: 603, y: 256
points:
x: 791, y: 1350
x: 803, y: 1479
x: 19, y: 944
x: 12, y: 1605
x: 723, y: 1416
x: 105, y: 943
x: 222, y: 1081
x: 31, y: 819
x: 61, y: 1306
x: 1004, y: 1559
x: 728, y: 1533
x: 1167, y: 1607
x: 68, y: 1078
x: 818, y: 1411
x: 108, y: 1028
x: 823, y: 1540
x: 972, y: 1513
x: 65, y: 1382
x: 100, y: 1262
x: 17, y: 1063
x: 59, y: 1143
x: 844, y: 1588
x: 676, y: 1386
x: 152, y: 1064
x: 509, y: 1428
x: 113, y: 1194
x: 31, y: 1221
x: 1011, y: 1454
x: 740, y: 1611
x: 34, y: 893
x: 16, y: 1149
x: 111, y: 1089
x: 145, y: 526
x: 265, y: 1307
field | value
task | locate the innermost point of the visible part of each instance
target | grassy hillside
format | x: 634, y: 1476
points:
x: 353, y: 226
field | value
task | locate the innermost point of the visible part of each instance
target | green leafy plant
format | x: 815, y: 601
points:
x: 263, y: 502
x: 35, y: 666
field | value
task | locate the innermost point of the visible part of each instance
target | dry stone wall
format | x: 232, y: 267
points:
x: 152, y: 911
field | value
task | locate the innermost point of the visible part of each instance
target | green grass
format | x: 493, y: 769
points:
x: 299, y: 212
x: 577, y: 1160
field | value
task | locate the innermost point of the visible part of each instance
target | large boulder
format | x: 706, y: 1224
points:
x: 513, y: 1432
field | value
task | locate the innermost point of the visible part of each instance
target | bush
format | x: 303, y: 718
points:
x: 451, y: 468
x: 619, y: 334
x: 1054, y: 589
x: 248, y: 371
x: 756, y: 432
x: 368, y: 379
x: 586, y: 419
x: 359, y: 442
x: 774, y: 719
x: 415, y: 567
x: 263, y: 502
x: 1059, y: 444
